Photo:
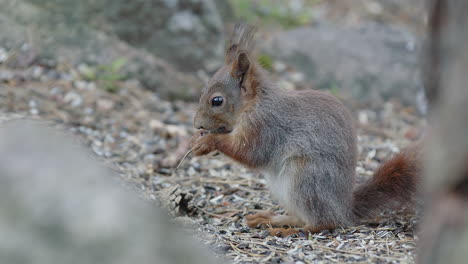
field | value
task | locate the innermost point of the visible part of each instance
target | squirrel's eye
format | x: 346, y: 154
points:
x: 217, y: 101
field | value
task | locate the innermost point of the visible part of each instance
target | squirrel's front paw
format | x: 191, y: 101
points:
x: 203, y: 143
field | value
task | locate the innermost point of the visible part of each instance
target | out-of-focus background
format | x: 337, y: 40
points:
x: 124, y: 77
x: 365, y: 49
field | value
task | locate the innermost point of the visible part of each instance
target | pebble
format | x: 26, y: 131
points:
x: 175, y: 130
x: 289, y: 86
x: 156, y: 125
x: 37, y: 72
x: 264, y: 234
x: 223, y: 248
x: 6, y: 75
x: 243, y: 246
x: 34, y: 111
x: 73, y: 99
x: 104, y: 105
x: 279, y: 66
x: 32, y: 104
x: 84, y: 85
x: 296, y: 77
x: 3, y: 55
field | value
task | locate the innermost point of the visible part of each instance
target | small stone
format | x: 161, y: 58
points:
x: 80, y: 85
x: 3, y: 55
x: 37, y: 72
x: 279, y: 66
x: 374, y: 8
x: 34, y: 111
x: 6, y: 75
x: 173, y: 130
x: 104, y: 105
x: 184, y: 21
x: 223, y: 248
x: 363, y: 117
x: 32, y: 104
x: 156, y: 124
x: 74, y: 99
x: 86, y: 71
x: 296, y: 77
x: 264, y: 234
x: 164, y: 171
x: 201, y: 203
x: 289, y: 86
x: 243, y: 246
x: 244, y: 229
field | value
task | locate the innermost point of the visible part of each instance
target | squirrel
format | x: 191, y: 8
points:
x: 304, y: 142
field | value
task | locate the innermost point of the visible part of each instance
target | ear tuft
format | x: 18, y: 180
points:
x: 241, y: 40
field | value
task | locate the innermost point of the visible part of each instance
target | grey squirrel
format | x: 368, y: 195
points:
x: 304, y: 142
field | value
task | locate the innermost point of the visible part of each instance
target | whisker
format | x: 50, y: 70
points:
x: 183, y: 158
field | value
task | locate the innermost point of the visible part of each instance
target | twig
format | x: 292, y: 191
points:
x: 215, y: 215
x: 244, y: 252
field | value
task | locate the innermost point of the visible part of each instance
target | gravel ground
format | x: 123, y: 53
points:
x: 144, y: 137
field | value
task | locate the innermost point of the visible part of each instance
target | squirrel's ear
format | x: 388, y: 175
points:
x: 241, y: 65
x: 243, y: 70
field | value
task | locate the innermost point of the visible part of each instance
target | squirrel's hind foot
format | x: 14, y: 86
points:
x: 283, y: 232
x: 270, y: 219
x: 260, y: 219
x: 282, y: 225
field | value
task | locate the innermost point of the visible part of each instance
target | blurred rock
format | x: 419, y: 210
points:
x: 185, y: 32
x: 101, y: 33
x: 369, y: 62
x: 58, y: 205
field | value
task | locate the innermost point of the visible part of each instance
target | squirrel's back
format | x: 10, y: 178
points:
x: 311, y: 122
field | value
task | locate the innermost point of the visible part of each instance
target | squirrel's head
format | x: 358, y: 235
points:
x: 232, y: 87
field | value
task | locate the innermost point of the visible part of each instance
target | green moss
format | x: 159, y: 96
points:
x: 273, y: 12
x: 265, y: 61
x: 334, y: 89
x: 106, y: 76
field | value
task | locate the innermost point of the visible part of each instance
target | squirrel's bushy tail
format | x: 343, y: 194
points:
x: 394, y: 183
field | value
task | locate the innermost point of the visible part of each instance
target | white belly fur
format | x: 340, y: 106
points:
x: 279, y: 186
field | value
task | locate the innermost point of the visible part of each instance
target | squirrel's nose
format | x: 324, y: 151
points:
x: 196, y: 122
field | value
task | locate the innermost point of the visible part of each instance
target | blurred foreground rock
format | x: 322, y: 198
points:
x: 58, y: 205
x: 369, y: 62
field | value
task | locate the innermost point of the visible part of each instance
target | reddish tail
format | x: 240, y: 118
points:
x: 394, y: 183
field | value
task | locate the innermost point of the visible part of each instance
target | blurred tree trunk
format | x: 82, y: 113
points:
x: 444, y: 236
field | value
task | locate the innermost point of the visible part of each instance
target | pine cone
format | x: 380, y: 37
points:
x: 178, y: 201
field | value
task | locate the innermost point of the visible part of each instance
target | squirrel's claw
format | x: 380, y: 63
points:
x: 203, y: 144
